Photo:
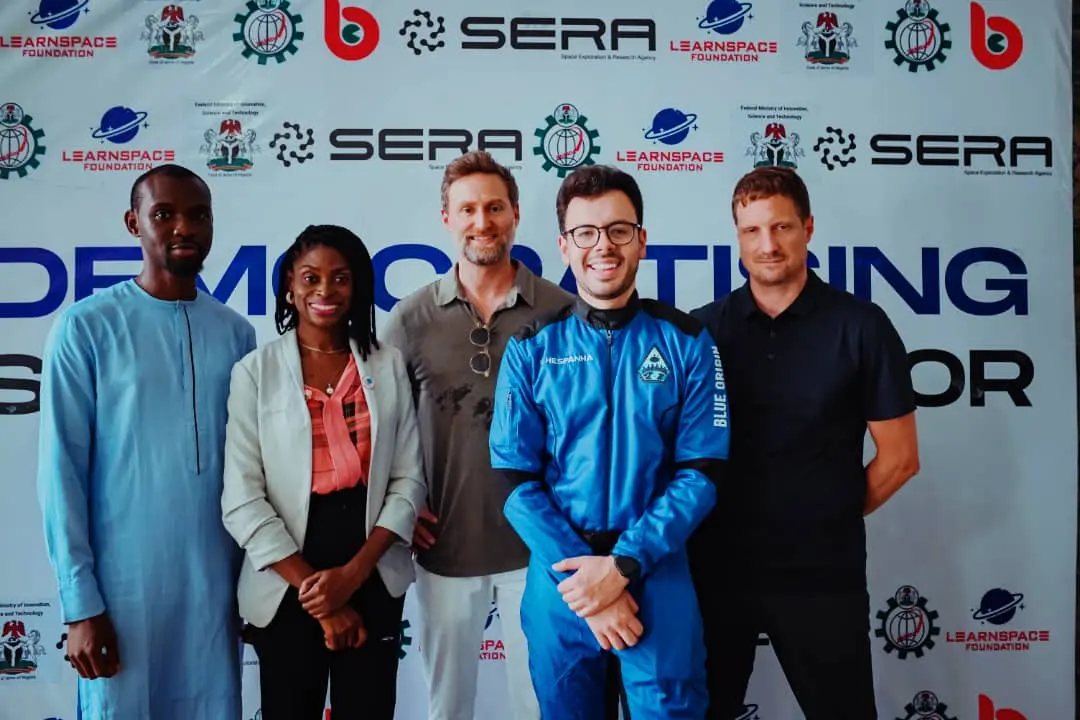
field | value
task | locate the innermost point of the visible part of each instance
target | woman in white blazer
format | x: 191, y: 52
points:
x: 323, y: 482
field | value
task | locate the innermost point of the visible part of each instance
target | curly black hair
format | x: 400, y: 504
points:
x: 362, y: 307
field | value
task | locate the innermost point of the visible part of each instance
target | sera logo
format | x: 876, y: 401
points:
x: 987, y: 711
x: 996, y: 42
x: 356, y: 37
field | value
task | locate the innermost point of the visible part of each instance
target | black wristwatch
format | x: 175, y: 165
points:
x: 628, y: 567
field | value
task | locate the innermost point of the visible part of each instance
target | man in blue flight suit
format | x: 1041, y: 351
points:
x: 611, y: 423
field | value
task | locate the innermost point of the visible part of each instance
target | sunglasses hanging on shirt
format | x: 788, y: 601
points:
x: 480, y: 362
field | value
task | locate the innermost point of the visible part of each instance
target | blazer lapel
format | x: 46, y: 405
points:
x: 290, y: 358
x: 367, y: 370
x: 291, y: 350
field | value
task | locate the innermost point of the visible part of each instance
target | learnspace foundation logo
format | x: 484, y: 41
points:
x: 268, y: 31
x: 907, y: 625
x: 20, y: 142
x: 58, y: 17
x: 671, y: 128
x: 566, y: 142
x: 998, y: 608
x: 118, y: 127
x: 729, y: 26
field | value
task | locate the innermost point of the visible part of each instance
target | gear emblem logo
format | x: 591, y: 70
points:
x: 404, y: 640
x: 836, y: 148
x: 566, y: 142
x: 20, y: 142
x: 918, y: 38
x: 268, y: 30
x: 926, y: 706
x: 304, y: 138
x: 906, y: 625
x: 424, y: 23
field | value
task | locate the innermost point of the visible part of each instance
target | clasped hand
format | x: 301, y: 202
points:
x: 326, y: 591
x: 597, y: 593
x: 324, y: 595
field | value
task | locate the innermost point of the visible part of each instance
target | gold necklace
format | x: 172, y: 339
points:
x: 324, y: 352
x: 329, y: 386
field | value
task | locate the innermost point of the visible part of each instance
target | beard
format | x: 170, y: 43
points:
x: 183, y: 267
x: 488, y: 254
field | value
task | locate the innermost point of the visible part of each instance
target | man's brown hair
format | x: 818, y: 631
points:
x: 769, y: 181
x: 471, y: 163
x: 593, y: 180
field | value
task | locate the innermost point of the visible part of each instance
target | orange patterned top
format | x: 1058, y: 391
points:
x: 340, y: 434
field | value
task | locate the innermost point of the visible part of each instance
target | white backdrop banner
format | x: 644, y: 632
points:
x: 934, y: 136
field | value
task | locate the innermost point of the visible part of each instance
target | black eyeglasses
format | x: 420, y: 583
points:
x: 480, y: 362
x: 619, y: 233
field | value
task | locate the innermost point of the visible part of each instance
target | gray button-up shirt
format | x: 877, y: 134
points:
x: 431, y: 327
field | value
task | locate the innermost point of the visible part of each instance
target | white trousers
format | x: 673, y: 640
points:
x: 453, y: 612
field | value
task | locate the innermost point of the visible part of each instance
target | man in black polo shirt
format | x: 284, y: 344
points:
x: 809, y: 369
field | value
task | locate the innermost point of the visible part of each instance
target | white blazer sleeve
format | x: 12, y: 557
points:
x: 406, y: 491
x: 247, y: 513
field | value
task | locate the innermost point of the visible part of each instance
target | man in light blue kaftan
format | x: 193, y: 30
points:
x: 133, y: 410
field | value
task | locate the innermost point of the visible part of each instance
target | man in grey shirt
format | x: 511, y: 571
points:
x: 453, y: 333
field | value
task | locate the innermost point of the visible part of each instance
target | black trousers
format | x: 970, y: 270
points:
x: 294, y: 663
x: 615, y: 694
x: 821, y: 639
